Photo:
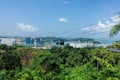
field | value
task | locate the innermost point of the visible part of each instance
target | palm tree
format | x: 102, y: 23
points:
x: 115, y: 30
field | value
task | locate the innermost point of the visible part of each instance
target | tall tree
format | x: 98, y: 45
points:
x: 115, y: 30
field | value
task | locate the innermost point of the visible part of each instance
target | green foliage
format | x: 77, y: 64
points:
x: 85, y: 72
x: 5, y: 47
x: 9, y: 59
x: 115, y: 45
x: 27, y: 54
x: 27, y: 74
x: 115, y: 30
x: 59, y: 64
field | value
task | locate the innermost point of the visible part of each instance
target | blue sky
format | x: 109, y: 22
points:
x: 56, y: 17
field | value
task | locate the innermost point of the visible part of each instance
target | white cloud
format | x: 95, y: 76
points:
x: 100, y: 24
x: 26, y: 27
x: 86, y: 28
x: 65, y: 2
x: 116, y: 19
x: 63, y: 20
x: 103, y: 27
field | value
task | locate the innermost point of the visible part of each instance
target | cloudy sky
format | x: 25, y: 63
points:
x: 61, y: 18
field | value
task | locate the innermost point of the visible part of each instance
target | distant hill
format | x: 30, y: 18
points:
x: 56, y: 39
x: 86, y: 40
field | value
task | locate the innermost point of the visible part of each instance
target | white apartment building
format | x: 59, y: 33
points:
x: 7, y: 41
x: 81, y: 45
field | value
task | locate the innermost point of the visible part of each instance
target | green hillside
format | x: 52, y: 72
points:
x: 55, y: 39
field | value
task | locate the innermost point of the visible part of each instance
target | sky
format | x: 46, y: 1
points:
x: 60, y: 18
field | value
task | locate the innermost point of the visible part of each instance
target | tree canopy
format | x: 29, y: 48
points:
x: 59, y: 64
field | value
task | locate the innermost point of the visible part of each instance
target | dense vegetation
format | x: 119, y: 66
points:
x: 115, y: 45
x: 22, y: 63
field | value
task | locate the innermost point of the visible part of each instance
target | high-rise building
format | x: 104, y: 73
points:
x: 38, y: 41
x: 31, y: 40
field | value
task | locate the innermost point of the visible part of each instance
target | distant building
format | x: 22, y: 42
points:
x: 20, y: 41
x: 31, y: 40
x: 80, y: 45
x: 8, y: 41
x: 38, y: 41
x: 102, y: 45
